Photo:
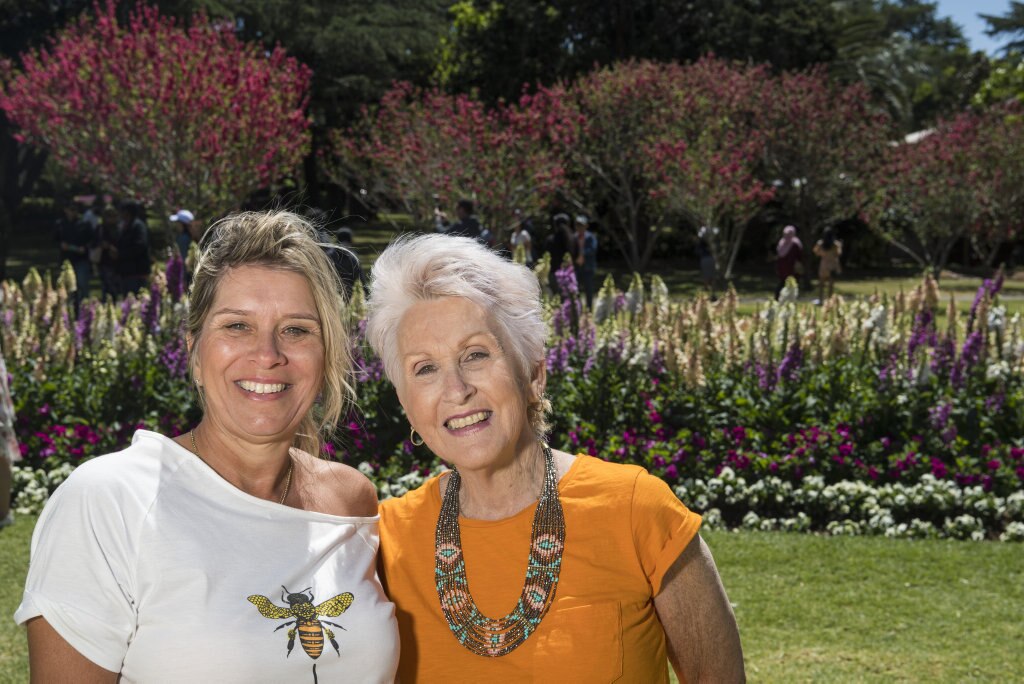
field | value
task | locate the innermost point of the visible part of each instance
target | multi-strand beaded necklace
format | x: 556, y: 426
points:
x: 499, y: 636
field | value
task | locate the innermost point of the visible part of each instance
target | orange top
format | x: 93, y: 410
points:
x: 623, y: 530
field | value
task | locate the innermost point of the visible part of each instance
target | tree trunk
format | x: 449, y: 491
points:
x: 990, y: 257
x: 734, y: 249
x: 311, y: 169
x: 944, y: 256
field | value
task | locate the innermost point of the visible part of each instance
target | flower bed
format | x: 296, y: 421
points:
x: 884, y: 416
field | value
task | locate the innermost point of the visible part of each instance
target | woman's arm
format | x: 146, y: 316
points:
x: 52, y: 660
x: 700, y: 628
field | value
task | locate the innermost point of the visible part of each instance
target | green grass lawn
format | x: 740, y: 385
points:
x: 14, y: 543
x: 809, y: 608
x: 874, y: 610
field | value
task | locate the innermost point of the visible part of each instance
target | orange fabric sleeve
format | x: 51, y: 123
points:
x: 662, y: 527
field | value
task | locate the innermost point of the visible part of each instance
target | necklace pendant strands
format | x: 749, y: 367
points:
x: 287, y: 478
x: 495, y: 637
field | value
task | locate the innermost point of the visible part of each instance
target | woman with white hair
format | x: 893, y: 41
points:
x: 523, y: 562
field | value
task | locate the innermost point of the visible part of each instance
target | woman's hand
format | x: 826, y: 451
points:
x: 700, y: 629
x: 52, y: 660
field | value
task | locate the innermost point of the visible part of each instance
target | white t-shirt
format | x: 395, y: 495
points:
x: 150, y: 564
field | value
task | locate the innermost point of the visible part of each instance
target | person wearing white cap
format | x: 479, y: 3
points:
x: 184, y: 238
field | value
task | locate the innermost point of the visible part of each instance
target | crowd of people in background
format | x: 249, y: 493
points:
x: 110, y: 241
x: 106, y: 240
x: 574, y: 240
x: 579, y: 245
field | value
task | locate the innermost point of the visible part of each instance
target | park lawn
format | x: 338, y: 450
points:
x: 814, y: 608
x: 14, y: 542
x: 810, y: 608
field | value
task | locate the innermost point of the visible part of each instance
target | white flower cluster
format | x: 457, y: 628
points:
x: 858, y: 507
x: 34, y: 487
x: 387, y: 489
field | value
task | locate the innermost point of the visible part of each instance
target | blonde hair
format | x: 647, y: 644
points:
x: 432, y: 266
x: 285, y: 241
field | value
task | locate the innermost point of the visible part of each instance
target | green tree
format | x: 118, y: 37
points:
x: 496, y: 47
x: 915, y: 63
x: 1004, y: 84
x: 1010, y: 24
x: 357, y: 50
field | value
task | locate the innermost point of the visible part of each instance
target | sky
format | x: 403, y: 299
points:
x: 965, y: 13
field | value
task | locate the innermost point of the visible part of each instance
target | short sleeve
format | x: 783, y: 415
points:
x: 662, y: 527
x: 80, y: 576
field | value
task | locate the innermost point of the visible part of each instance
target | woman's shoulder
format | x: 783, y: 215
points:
x: 122, y: 484
x: 339, y: 489
x: 413, y: 503
x: 140, y: 461
x: 605, y: 476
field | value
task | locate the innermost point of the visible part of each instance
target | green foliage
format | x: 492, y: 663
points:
x: 496, y: 47
x: 1010, y: 24
x: 356, y: 49
x: 1005, y: 83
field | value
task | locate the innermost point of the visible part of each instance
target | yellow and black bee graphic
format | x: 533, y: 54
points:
x: 306, y: 618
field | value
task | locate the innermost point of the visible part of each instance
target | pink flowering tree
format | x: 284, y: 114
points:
x: 600, y: 127
x: 710, y: 149
x: 646, y: 144
x: 823, y: 146
x: 1000, y: 174
x: 420, y: 148
x: 178, y: 116
x: 927, y: 193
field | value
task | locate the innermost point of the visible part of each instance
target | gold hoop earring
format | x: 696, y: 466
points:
x: 412, y: 437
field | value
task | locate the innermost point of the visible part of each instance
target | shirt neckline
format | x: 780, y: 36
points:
x: 190, y: 460
x: 565, y: 481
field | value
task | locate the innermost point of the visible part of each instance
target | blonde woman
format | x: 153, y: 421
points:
x: 183, y: 559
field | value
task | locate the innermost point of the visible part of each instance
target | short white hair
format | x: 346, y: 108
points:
x: 415, y: 268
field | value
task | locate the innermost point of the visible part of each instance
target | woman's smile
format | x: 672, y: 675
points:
x: 262, y: 388
x: 460, y: 424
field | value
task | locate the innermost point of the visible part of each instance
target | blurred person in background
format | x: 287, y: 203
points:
x: 185, y: 232
x: 466, y: 223
x: 521, y: 237
x: 585, y: 258
x: 10, y: 453
x: 76, y: 236
x: 706, y: 260
x: 130, y: 251
x: 559, y: 243
x: 828, y: 250
x: 789, y: 254
x: 106, y: 238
